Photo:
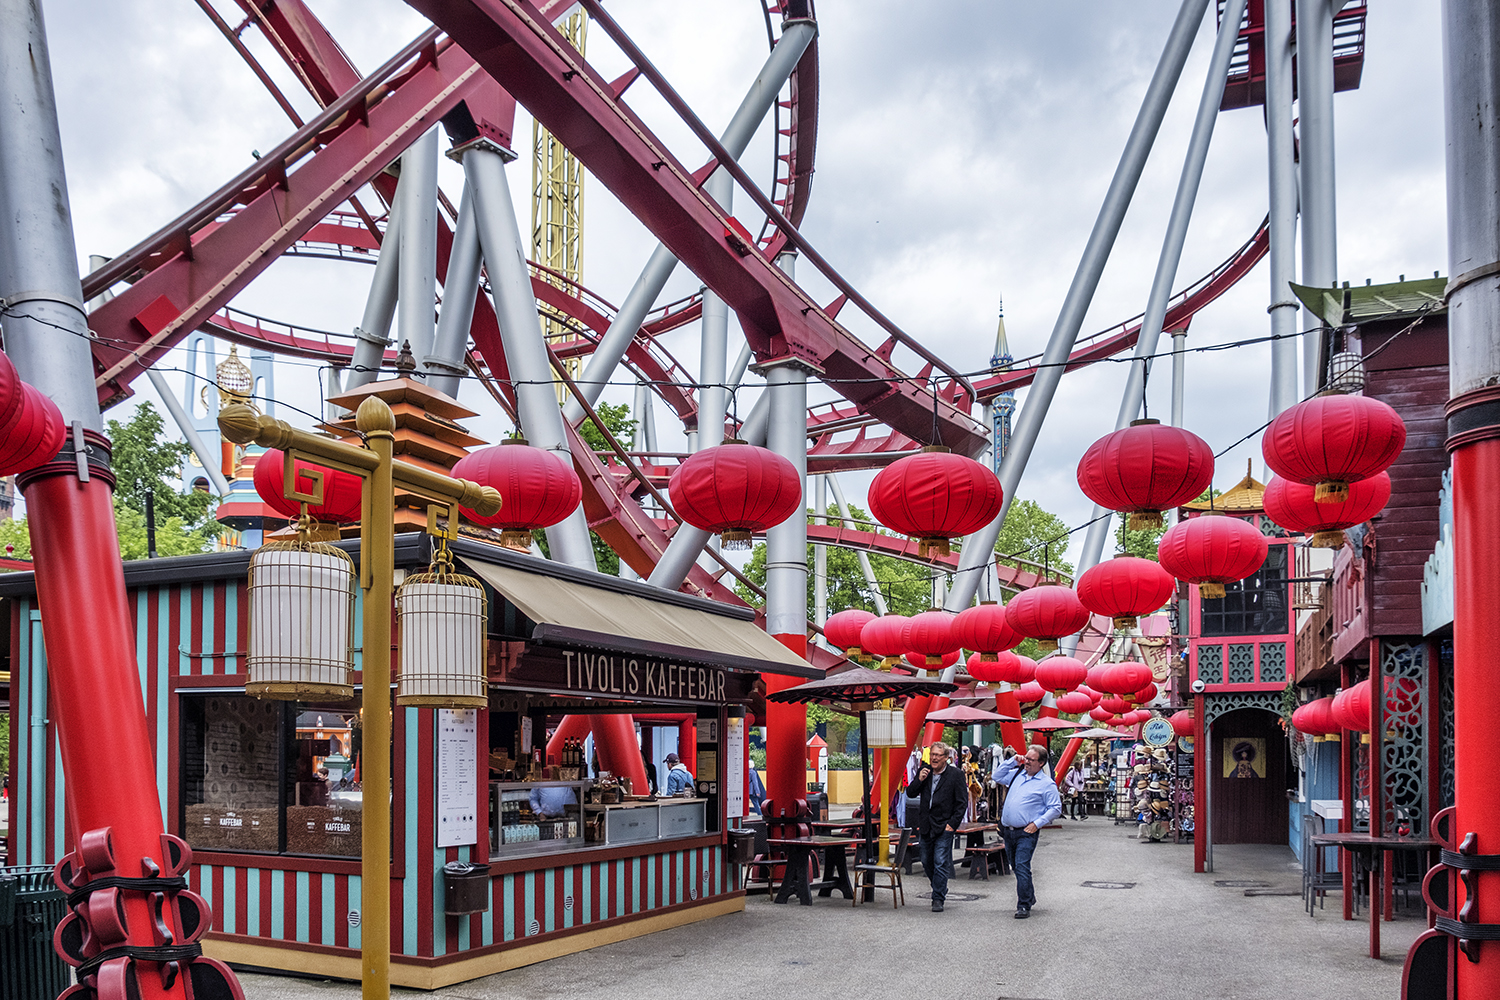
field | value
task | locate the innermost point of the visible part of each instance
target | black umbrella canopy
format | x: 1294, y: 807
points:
x: 859, y: 685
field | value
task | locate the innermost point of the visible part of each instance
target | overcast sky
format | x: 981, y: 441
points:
x: 963, y: 150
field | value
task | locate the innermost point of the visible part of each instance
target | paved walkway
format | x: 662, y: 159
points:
x: 1172, y: 935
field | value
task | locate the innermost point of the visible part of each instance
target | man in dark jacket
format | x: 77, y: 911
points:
x: 943, y: 796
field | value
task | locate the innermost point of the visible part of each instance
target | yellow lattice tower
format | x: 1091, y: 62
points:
x: 557, y: 207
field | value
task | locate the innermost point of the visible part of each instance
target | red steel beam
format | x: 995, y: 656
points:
x: 521, y: 50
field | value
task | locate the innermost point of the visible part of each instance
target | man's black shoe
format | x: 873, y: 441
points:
x: 937, y: 906
x: 1022, y: 912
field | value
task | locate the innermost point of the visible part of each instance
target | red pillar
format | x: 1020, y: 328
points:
x: 786, y: 738
x: 1047, y: 710
x: 1011, y: 733
x: 101, y: 720
x: 1476, y: 697
x: 619, y: 751
x: 1065, y: 758
x: 1201, y: 825
x: 572, y: 727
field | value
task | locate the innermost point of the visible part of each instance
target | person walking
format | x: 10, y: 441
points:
x: 1031, y: 802
x: 1075, y: 805
x: 942, y: 796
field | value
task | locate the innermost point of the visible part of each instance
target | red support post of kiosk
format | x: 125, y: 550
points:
x: 786, y: 739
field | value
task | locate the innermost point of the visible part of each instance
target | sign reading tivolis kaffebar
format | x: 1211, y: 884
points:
x: 628, y: 676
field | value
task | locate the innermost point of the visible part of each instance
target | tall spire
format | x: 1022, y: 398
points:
x: 1005, y: 404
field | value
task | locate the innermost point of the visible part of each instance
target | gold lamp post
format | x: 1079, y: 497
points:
x: 373, y: 464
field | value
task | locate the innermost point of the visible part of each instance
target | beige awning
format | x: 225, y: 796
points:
x: 572, y: 613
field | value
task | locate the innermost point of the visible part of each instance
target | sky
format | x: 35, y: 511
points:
x: 963, y: 150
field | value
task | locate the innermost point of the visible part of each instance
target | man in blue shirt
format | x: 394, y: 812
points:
x: 679, y: 778
x: 1031, y: 802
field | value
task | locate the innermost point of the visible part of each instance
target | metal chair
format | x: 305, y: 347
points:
x: 892, y: 871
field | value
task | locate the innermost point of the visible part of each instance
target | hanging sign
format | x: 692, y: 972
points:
x: 1158, y: 732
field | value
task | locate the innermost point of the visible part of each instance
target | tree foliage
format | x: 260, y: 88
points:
x: 1033, y: 533
x: 1141, y: 542
x: 144, y: 460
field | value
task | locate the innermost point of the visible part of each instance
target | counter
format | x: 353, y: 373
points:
x: 635, y: 822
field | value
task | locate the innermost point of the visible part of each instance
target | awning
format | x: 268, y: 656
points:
x: 569, y: 613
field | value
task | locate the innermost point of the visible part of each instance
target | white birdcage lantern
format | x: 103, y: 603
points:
x: 301, y: 620
x: 442, y: 623
x: 885, y: 727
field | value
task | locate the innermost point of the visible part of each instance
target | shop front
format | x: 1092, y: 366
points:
x: 269, y: 793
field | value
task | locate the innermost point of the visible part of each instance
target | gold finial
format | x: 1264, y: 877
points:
x: 235, y: 381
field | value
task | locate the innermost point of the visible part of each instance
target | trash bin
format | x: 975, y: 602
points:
x: 466, y: 888
x: 817, y: 804
x: 31, y: 906
x: 741, y: 846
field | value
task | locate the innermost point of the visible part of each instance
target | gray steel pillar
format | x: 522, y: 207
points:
x: 42, y: 295
x: 820, y: 555
x: 445, y: 365
x: 331, y: 388
x: 417, y: 299
x: 786, y: 543
x: 374, y: 331
x: 521, y: 332
x: 622, y: 330
x: 741, y: 362
x: 1320, y: 264
x: 978, y: 548
x: 876, y: 596
x: 1281, y: 157
x: 1171, y: 255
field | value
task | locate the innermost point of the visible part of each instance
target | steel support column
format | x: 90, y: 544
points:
x: 521, y: 332
x: 1281, y: 156
x: 979, y: 547
x: 1320, y: 263
x: 373, y: 335
x: 820, y: 555
x: 1471, y: 38
x: 103, y: 740
x: 1171, y: 254
x: 417, y: 299
x: 445, y: 365
x: 786, y: 582
x: 876, y: 597
x: 795, y: 39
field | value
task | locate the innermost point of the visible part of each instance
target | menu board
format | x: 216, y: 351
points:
x: 734, y: 773
x: 457, y: 777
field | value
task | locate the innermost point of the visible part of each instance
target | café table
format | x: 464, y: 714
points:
x: 1369, y: 851
x: 973, y: 834
x: 834, y: 827
x: 798, y: 852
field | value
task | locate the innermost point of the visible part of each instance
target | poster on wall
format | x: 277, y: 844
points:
x: 734, y: 772
x: 1244, y: 757
x: 457, y: 777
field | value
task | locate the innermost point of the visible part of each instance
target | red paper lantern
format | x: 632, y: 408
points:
x: 1123, y: 678
x: 1145, y: 696
x: 1118, y: 722
x: 931, y: 635
x: 984, y: 670
x: 735, y: 489
x: 11, y: 395
x: 1137, y: 717
x: 538, y: 488
x: 34, y: 433
x: 933, y: 497
x: 1101, y: 714
x: 1331, y: 441
x: 1182, y: 723
x: 884, y: 636
x: 984, y: 630
x: 1046, y: 612
x: 1292, y: 506
x: 924, y: 662
x: 1115, y: 705
x: 1144, y: 469
x: 1029, y: 692
x: 1094, y: 696
x: 1075, y: 703
x: 1096, y: 676
x: 1061, y: 674
x: 1351, y: 707
x: 1317, y: 719
x: 1015, y: 668
x: 843, y: 629
x: 341, y: 490
x: 1124, y: 588
x: 1212, y: 551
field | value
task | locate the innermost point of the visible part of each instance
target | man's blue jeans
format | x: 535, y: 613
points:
x: 1019, y: 846
x: 937, y: 862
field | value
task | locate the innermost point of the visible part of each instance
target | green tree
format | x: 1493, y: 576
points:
x: 1033, y: 533
x: 144, y: 460
x: 617, y: 419
x: 1140, y: 542
x: 5, y: 737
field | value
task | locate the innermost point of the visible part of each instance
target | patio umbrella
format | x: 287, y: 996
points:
x: 1050, y: 726
x: 855, y: 691
x: 1102, y: 734
x: 966, y: 714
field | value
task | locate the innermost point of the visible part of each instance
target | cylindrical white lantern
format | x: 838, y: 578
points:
x: 442, y: 662
x: 885, y: 727
x: 301, y: 622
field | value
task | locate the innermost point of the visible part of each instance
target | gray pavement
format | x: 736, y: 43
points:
x: 1172, y: 935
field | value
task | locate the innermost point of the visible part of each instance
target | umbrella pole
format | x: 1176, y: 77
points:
x: 864, y: 773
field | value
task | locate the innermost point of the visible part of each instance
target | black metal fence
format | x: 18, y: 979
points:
x: 31, y: 906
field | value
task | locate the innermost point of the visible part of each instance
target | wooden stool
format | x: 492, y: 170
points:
x: 980, y: 868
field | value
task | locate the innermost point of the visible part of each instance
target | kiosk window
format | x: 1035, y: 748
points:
x: 1253, y: 606
x: 270, y: 776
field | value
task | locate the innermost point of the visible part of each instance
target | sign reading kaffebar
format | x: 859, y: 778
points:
x: 610, y: 673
